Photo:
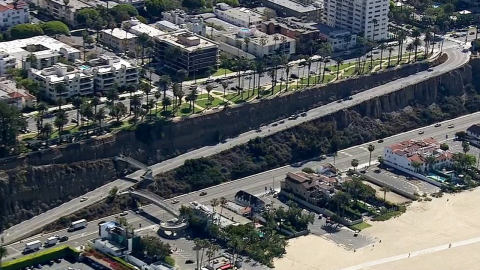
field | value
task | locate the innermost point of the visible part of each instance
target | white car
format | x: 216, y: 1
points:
x: 124, y: 213
x: 83, y: 199
x: 174, y: 201
x: 451, y: 126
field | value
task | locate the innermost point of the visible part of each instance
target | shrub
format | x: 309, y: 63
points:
x: 55, y: 28
x: 170, y: 261
x: 26, y: 30
x: 308, y: 170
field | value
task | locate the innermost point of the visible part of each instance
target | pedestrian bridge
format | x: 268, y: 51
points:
x: 177, y: 224
x: 148, y: 172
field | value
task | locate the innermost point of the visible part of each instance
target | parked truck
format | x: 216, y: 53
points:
x: 51, y: 241
x: 32, y: 246
x: 77, y: 225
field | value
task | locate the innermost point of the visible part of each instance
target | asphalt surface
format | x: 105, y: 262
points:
x: 456, y: 59
x: 256, y: 184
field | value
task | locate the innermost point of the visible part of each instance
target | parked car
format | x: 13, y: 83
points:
x: 124, y: 213
x: 356, y: 232
x: 62, y: 239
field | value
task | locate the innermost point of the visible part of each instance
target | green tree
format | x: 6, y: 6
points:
x: 341, y: 198
x: 3, y: 254
x: 156, y: 7
x: 370, y: 149
x: 60, y: 121
x: 118, y: 111
x: 209, y: 89
x: 354, y: 164
x: 55, y: 28
x: 11, y: 123
x: 127, y: 8
x: 465, y: 147
x: 112, y: 95
x: 60, y: 89
x: 47, y: 130
x: 101, y: 115
x: 339, y: 63
x: 193, y: 4
x: 416, y: 166
x: 25, y: 30
x: 112, y: 194
x: 153, y: 246
x: 85, y: 14
x: 390, y: 50
x: 444, y: 146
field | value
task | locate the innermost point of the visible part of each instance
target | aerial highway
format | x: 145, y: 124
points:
x: 455, y: 60
x: 256, y: 184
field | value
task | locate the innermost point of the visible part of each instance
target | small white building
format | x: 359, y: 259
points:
x: 118, y: 39
x: 405, y: 154
x: 77, y: 82
x: 474, y: 131
x: 259, y: 43
x: 242, y: 17
x: 179, y: 17
x: 13, y: 13
x: 137, y: 28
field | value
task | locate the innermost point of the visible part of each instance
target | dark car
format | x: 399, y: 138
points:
x: 63, y: 238
x: 294, y: 76
x: 303, y: 114
x: 203, y: 193
x: 189, y: 261
x: 380, y: 141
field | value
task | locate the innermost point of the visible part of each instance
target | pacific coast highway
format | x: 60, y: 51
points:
x: 256, y: 184
x: 456, y: 58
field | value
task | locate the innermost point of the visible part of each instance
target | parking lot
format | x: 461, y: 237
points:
x: 456, y: 147
x: 402, y: 181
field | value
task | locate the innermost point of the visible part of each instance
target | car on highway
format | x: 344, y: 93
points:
x: 293, y: 117
x: 63, y: 239
x: 430, y: 69
x: 437, y: 124
x: 451, y: 126
x: 258, y: 130
x: 124, y: 213
x: 83, y: 199
x: 274, y: 124
x: 303, y: 114
x: 377, y: 171
x: 174, y: 201
x: 380, y: 141
x: 281, y: 122
x: 421, y: 132
x: 203, y: 193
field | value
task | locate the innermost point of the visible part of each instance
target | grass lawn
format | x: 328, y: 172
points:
x: 360, y: 226
x: 221, y: 72
x: 184, y: 109
x: 214, y: 102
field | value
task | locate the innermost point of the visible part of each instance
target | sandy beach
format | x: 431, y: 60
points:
x: 425, y: 232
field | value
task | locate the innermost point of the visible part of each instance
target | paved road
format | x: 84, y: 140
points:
x: 254, y: 184
x: 456, y: 59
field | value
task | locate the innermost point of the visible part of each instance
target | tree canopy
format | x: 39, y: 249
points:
x: 26, y: 30
x: 193, y: 4
x: 87, y: 13
x: 55, y: 28
x: 11, y: 123
x: 156, y: 7
x: 127, y: 8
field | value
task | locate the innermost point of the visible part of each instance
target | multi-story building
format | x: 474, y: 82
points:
x: 77, y: 82
x: 308, y: 11
x: 309, y: 187
x: 259, y: 43
x: 474, y: 131
x: 340, y: 39
x: 369, y: 17
x: 118, y: 39
x: 58, y: 9
x: 137, y: 28
x: 110, y: 70
x: 194, y: 23
x: 12, y: 95
x: 293, y: 28
x: 242, y: 17
x: 13, y: 13
x: 417, y: 155
x: 186, y: 50
x: 35, y: 52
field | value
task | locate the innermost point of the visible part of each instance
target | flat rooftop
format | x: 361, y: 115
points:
x: 119, y: 33
x: 243, y: 14
x: 186, y: 40
x: 327, y: 29
x: 228, y: 27
x: 50, y: 46
x: 270, y: 39
x: 73, y: 4
x: 146, y: 29
x: 296, y: 6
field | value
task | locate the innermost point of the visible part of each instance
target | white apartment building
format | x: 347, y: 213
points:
x: 108, y: 70
x: 402, y: 155
x: 13, y: 13
x: 46, y: 51
x: 194, y: 23
x: 260, y: 44
x: 137, y: 28
x: 66, y: 13
x: 369, y: 17
x: 242, y: 17
x: 78, y: 82
x: 118, y: 39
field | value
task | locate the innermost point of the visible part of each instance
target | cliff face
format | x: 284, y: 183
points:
x: 29, y: 191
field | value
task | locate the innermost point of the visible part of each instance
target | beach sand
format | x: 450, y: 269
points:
x: 425, y: 231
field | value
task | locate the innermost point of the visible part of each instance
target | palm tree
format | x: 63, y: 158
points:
x: 60, y: 88
x: 341, y: 198
x: 390, y: 50
x: 77, y: 103
x: 416, y: 166
x: 100, y: 115
x: 309, y: 66
x: 47, y: 130
x: 370, y: 148
x: 287, y: 72
x: 354, y: 164
x: 224, y: 86
x: 260, y: 70
x: 401, y: 39
x: 157, y: 96
x: 60, y: 121
x: 166, y: 101
x: 382, y: 48
x: 192, y: 97
x: 126, y: 26
x: 181, y: 75
x: 95, y: 102
x: 112, y: 95
x: 428, y: 39
x: 339, y: 62
x: 465, y: 147
x: 325, y: 62
x: 410, y: 49
x: 385, y: 190
x: 223, y: 202
x: 143, y: 39
x: 209, y: 89
x: 416, y: 43
x: 146, y: 88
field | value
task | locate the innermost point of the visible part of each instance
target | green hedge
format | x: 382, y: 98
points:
x: 122, y: 262
x: 41, y: 257
x: 170, y: 261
